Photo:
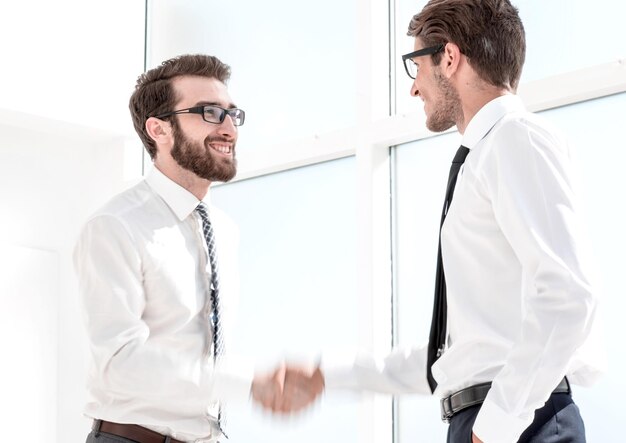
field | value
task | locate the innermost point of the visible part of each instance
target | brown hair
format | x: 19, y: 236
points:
x: 488, y: 32
x: 155, y: 95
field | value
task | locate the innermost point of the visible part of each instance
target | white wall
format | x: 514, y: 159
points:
x: 72, y: 60
x: 49, y: 183
x: 68, y: 69
x: 29, y: 299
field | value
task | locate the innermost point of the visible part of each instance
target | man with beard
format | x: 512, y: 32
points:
x: 515, y: 308
x: 157, y: 270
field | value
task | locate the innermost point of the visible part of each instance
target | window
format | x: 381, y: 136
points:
x: 298, y: 285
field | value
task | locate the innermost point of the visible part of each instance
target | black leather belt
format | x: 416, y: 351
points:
x: 132, y: 432
x: 475, y: 395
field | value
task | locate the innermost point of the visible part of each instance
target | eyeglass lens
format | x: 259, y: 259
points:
x: 215, y: 114
x: 411, y: 68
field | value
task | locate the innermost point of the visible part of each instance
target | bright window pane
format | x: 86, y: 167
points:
x: 421, y: 171
x: 293, y: 63
x: 566, y: 35
x: 298, y: 284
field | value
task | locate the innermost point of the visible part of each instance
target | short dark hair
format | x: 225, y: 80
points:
x: 155, y: 95
x: 488, y: 32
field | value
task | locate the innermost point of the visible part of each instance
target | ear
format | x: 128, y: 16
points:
x: 159, y: 130
x: 451, y: 59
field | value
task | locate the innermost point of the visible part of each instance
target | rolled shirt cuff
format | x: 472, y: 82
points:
x: 493, y: 425
x: 232, y: 379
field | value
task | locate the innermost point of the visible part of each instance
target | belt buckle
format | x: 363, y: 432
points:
x: 446, y: 409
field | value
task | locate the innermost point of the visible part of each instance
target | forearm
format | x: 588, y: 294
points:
x: 402, y: 371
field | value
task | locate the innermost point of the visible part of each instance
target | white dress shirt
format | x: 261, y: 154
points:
x: 143, y: 273
x: 521, y: 305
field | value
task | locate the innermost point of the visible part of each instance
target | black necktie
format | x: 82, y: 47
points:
x: 218, y: 339
x: 437, y: 338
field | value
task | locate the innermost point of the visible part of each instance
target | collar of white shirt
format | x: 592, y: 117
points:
x: 485, y: 119
x: 181, y: 201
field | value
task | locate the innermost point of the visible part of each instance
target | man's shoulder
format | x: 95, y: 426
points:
x: 525, y: 125
x: 127, y: 204
x: 526, y: 120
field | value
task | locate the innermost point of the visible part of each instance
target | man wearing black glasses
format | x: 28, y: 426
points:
x: 515, y: 307
x: 157, y: 270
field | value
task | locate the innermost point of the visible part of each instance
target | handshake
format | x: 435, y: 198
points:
x: 288, y: 389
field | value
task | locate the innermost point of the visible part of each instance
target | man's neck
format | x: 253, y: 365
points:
x: 475, y: 99
x: 185, y: 178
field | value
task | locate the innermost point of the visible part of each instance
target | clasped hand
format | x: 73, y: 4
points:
x: 288, y: 389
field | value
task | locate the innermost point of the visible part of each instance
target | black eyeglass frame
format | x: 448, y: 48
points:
x: 431, y: 50
x: 201, y: 110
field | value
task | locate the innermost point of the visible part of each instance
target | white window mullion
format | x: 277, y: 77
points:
x: 575, y: 86
x: 373, y: 206
x: 374, y: 276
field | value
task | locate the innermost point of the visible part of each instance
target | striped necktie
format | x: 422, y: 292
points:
x: 218, y: 339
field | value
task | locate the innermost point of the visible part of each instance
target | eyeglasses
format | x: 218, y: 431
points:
x: 211, y: 114
x: 410, y: 66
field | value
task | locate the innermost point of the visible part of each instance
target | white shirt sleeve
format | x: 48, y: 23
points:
x: 528, y: 177
x: 402, y: 371
x: 127, y: 354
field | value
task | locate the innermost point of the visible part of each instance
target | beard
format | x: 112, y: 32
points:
x: 448, y: 111
x: 200, y: 159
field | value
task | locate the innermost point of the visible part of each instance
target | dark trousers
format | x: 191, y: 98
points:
x: 101, y: 437
x: 559, y: 421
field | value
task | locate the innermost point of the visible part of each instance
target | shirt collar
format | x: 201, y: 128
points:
x: 488, y: 116
x: 181, y: 201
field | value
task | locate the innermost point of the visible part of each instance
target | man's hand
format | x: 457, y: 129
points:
x: 288, y: 389
x: 267, y: 389
x: 302, y: 387
x: 476, y: 439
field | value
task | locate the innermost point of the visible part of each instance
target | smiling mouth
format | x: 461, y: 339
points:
x: 223, y: 149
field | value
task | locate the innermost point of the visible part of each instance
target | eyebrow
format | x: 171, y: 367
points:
x: 205, y: 103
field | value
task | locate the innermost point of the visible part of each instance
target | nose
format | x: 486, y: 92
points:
x: 227, y: 127
x: 415, y: 92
